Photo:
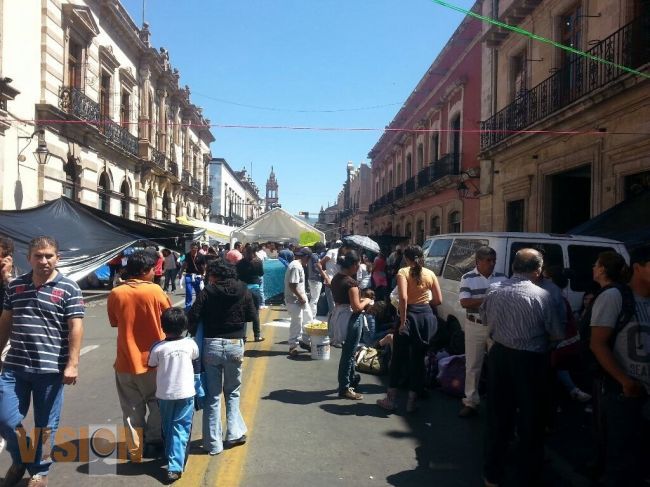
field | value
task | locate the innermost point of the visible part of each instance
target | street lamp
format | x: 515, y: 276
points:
x: 42, y: 154
x: 467, y: 191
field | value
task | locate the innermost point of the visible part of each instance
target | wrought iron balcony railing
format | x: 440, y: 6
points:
x: 185, y: 178
x: 173, y: 168
x: 196, y: 184
x: 120, y: 136
x: 629, y: 46
x: 159, y: 158
x: 75, y: 102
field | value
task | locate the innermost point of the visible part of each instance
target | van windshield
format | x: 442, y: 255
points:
x: 435, y: 258
x: 462, y: 257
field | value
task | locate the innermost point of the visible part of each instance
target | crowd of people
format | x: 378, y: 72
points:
x: 520, y: 328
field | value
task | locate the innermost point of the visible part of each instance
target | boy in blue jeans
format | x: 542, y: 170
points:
x: 175, y: 358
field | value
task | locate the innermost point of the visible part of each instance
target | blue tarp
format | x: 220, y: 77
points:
x: 273, y: 277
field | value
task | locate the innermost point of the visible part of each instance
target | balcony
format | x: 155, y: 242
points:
x: 628, y: 46
x: 447, y: 165
x: 196, y: 185
x: 159, y: 159
x: 185, y: 178
x: 173, y: 168
x: 75, y: 103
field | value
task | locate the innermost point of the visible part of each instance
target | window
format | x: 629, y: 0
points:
x: 102, y: 189
x: 390, y: 180
x: 518, y: 75
x: 436, y: 255
x: 571, y: 35
x: 408, y: 231
x: 435, y: 155
x: 434, y: 229
x: 75, y: 64
x: 125, y: 110
x: 105, y: 98
x: 151, y: 210
x: 581, y: 260
x: 515, y: 216
x: 420, y: 157
x: 71, y: 176
x: 125, y: 210
x: 166, y: 207
x: 552, y: 253
x: 419, y: 236
x: 462, y: 257
x: 398, y: 176
x: 454, y: 222
x: 455, y: 140
x: 409, y: 167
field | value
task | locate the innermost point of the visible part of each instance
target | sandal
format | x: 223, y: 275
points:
x: 259, y: 339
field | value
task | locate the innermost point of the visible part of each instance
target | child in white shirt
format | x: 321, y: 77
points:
x: 175, y: 358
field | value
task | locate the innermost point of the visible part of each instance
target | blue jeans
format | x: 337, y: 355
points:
x: 192, y: 282
x: 16, y: 391
x: 222, y: 363
x: 177, y: 429
x: 170, y: 279
x: 346, y: 364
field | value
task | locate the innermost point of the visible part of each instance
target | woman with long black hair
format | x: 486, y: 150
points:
x: 418, y: 291
x: 345, y: 320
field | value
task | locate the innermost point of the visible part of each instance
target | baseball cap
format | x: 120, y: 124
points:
x: 302, y: 252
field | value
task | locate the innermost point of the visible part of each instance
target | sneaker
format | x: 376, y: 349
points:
x: 579, y: 395
x: 293, y: 351
x: 14, y: 475
x: 467, y: 412
x: 236, y: 442
x: 173, y: 476
x: 350, y: 394
x: 304, y: 345
x: 259, y: 339
x: 38, y: 481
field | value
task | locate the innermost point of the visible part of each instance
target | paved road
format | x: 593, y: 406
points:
x: 300, y: 433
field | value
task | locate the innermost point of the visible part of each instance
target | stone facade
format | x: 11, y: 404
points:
x: 430, y: 148
x: 563, y: 137
x: 122, y: 134
x: 236, y: 197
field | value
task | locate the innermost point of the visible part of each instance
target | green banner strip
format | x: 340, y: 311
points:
x: 526, y: 33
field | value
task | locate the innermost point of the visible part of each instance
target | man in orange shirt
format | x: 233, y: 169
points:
x: 134, y: 308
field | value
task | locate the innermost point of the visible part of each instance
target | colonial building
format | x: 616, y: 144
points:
x: 236, y: 198
x: 272, y: 199
x: 425, y: 168
x: 104, y: 110
x: 564, y: 137
x: 356, y: 199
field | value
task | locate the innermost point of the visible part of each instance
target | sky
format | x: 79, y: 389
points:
x: 298, y: 63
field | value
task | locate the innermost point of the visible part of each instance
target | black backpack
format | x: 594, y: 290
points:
x: 584, y: 326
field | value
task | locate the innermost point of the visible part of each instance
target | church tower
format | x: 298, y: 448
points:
x: 271, y: 192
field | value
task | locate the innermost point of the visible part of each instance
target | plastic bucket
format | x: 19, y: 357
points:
x: 320, y: 347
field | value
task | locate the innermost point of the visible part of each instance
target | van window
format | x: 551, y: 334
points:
x: 581, y: 261
x: 461, y: 257
x: 435, y: 257
x: 552, y: 253
x: 426, y: 245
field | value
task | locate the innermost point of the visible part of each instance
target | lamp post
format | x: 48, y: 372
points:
x: 42, y: 154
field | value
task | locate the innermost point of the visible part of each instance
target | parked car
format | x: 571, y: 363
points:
x: 452, y: 255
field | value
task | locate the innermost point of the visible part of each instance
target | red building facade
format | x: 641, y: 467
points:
x: 425, y: 170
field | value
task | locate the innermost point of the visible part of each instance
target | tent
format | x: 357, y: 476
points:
x: 628, y: 221
x: 277, y: 225
x: 213, y: 230
x: 87, y: 237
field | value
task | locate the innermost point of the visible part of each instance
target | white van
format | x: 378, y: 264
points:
x: 452, y: 255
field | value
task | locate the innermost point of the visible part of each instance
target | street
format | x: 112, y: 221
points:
x: 299, y: 432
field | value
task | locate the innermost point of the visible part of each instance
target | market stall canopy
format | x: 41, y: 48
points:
x: 87, y: 237
x: 215, y: 231
x: 628, y: 221
x: 277, y: 226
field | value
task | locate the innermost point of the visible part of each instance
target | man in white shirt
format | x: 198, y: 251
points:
x: 296, y: 299
x: 331, y: 269
x: 473, y: 287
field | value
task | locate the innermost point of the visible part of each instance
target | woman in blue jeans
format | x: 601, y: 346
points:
x: 224, y: 306
x: 345, y: 320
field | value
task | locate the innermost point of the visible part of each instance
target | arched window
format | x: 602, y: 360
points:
x: 420, y: 156
x: 398, y: 176
x: 409, y: 167
x: 408, y: 231
x: 102, y: 190
x: 166, y: 206
x: 70, y: 187
x: 434, y: 229
x: 178, y: 209
x: 454, y: 222
x: 151, y: 210
x: 126, y: 194
x: 398, y: 229
x: 195, y: 213
x: 419, y: 237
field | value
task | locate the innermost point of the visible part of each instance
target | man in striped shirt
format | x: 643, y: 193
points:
x: 42, y: 317
x: 523, y: 324
x: 473, y: 287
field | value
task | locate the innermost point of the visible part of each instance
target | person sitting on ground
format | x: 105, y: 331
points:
x: 176, y: 361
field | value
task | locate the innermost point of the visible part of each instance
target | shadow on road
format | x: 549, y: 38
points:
x: 263, y: 353
x: 292, y: 396
x: 354, y: 409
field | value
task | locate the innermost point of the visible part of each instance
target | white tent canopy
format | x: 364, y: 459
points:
x: 275, y: 225
x: 216, y: 231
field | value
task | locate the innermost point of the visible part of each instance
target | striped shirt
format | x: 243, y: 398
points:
x: 474, y: 285
x: 39, y: 331
x: 520, y: 315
